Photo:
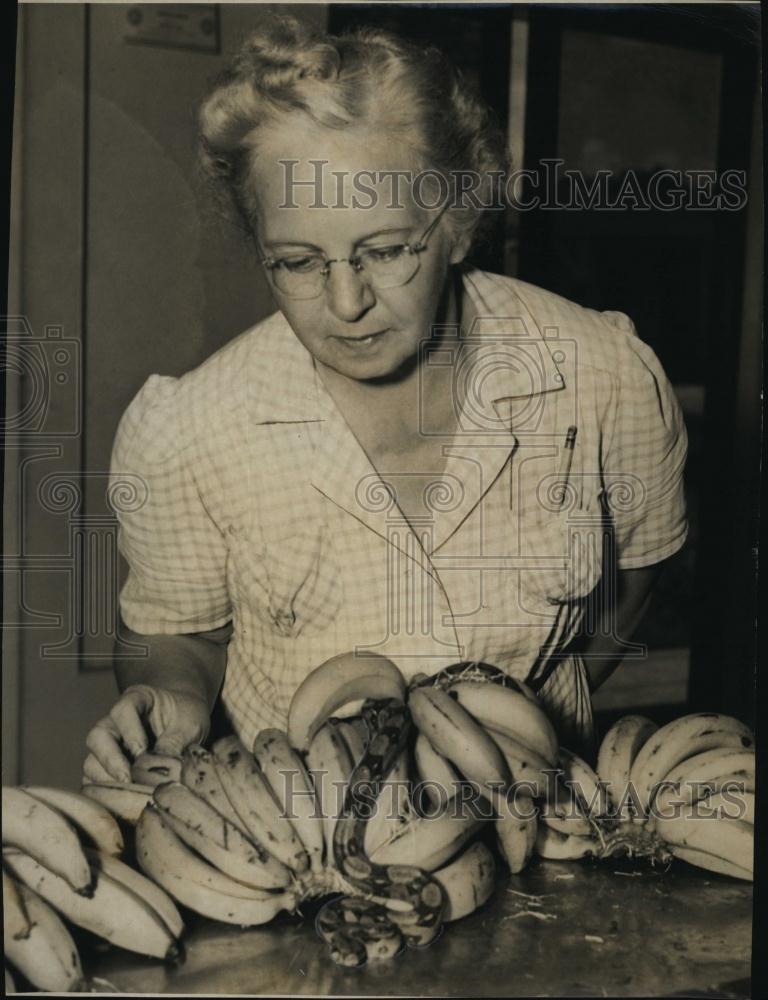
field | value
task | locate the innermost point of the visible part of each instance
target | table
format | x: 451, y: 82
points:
x: 613, y: 928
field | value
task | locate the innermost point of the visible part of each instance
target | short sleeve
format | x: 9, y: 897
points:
x: 175, y: 552
x: 644, y: 459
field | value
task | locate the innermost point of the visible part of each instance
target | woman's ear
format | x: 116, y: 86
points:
x: 462, y: 241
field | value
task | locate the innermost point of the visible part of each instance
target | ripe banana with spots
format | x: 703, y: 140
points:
x: 392, y: 810
x: 256, y: 805
x: 200, y: 774
x: 126, y: 802
x: 198, y: 885
x: 438, y: 780
x: 37, y: 942
x: 330, y: 766
x: 428, y: 842
x: 692, y: 829
x: 354, y: 735
x: 214, y: 838
x: 288, y: 779
x: 509, y: 712
x: 340, y: 680
x: 44, y: 833
x: 112, y: 912
x: 141, y: 886
x: 675, y: 742
x: 617, y: 753
x: 517, y: 826
x: 89, y: 818
x: 155, y: 768
x: 556, y: 846
x: 467, y: 882
x: 702, y: 775
x: 459, y: 737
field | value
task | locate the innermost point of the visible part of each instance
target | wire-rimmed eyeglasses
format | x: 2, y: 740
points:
x: 304, y: 275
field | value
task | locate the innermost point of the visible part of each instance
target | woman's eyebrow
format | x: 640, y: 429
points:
x: 305, y: 244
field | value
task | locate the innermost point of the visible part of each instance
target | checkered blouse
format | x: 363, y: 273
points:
x: 262, y: 509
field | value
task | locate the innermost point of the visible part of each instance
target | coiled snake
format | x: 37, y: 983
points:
x: 400, y: 903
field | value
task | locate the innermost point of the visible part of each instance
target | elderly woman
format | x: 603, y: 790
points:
x: 410, y: 457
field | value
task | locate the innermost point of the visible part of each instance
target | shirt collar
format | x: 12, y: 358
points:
x: 505, y: 356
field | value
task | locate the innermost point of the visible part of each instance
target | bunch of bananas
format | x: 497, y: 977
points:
x: 62, y: 865
x: 685, y: 790
x: 239, y: 835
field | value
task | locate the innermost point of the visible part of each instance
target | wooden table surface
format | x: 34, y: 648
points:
x: 607, y: 929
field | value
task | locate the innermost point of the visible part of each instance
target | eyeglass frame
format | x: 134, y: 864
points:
x: 419, y: 246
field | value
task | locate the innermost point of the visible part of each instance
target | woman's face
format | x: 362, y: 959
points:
x: 356, y: 330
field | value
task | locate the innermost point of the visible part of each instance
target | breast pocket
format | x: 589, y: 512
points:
x: 564, y: 548
x: 289, y: 583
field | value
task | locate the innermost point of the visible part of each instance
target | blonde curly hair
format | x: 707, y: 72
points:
x: 367, y: 78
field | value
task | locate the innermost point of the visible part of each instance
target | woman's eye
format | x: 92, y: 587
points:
x: 382, y: 254
x: 299, y: 265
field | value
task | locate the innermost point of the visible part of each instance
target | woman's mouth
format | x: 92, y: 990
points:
x: 362, y: 343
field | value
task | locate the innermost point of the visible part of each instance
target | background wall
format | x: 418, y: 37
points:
x: 122, y: 261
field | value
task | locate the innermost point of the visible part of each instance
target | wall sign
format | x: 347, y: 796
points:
x: 174, y: 26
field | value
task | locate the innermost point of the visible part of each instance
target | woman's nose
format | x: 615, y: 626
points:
x: 348, y: 293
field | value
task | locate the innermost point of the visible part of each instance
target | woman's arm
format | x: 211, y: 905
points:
x: 168, y: 695
x: 603, y: 650
x: 193, y: 664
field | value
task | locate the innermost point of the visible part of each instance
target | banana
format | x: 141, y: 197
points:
x: 516, y: 828
x: 141, y: 886
x: 338, y: 681
x: 439, y: 781
x: 739, y: 785
x: 617, y: 753
x: 154, y: 768
x: 47, y: 836
x: 511, y: 713
x: 255, y: 803
x: 467, y: 882
x: 455, y: 734
x: 711, y: 765
x: 88, y: 817
x: 562, y: 811
x: 556, y: 846
x: 196, y: 884
x: 17, y: 923
x: 112, y: 912
x: 124, y: 801
x: 200, y: 774
x: 678, y: 740
x: 428, y: 842
x: 730, y: 803
x: 529, y: 769
x: 37, y: 942
x: 330, y: 765
x: 355, y: 735
x: 711, y: 863
x: 392, y: 810
x: 288, y: 779
x: 584, y: 782
x: 732, y: 840
x: 206, y: 831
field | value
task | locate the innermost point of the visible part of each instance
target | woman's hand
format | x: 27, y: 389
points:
x: 144, y: 717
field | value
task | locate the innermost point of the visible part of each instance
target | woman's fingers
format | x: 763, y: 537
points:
x: 94, y: 770
x: 127, y: 715
x: 104, y: 743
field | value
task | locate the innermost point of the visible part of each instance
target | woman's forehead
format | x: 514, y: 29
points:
x: 313, y: 167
